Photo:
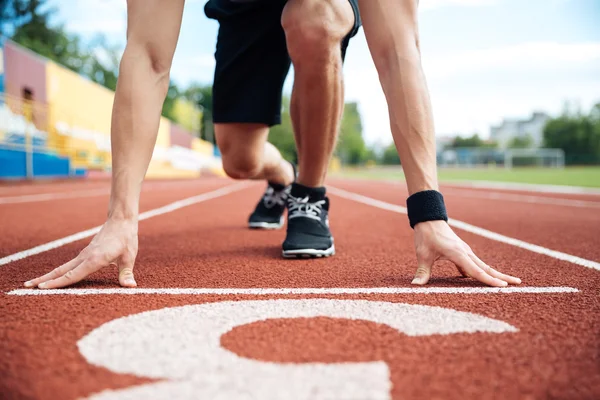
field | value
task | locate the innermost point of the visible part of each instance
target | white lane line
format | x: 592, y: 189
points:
x: 145, y: 215
x: 293, y: 291
x: 38, y: 197
x: 526, y: 187
x: 520, y: 198
x: 30, y: 198
x: 472, y: 229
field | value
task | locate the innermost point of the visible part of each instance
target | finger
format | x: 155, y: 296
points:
x: 423, y: 272
x: 462, y: 271
x: 55, y: 273
x: 72, y: 276
x: 126, y: 277
x: 491, y: 271
x: 463, y: 261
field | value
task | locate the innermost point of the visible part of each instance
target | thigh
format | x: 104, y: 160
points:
x: 252, y: 61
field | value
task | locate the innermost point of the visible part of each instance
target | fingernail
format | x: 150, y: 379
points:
x: 28, y: 284
x: 416, y: 281
x: 42, y: 285
x: 518, y: 280
x: 502, y: 283
x: 130, y: 282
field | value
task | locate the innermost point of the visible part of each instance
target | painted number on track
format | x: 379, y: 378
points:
x: 181, y: 347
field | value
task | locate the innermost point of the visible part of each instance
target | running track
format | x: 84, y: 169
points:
x: 226, y: 316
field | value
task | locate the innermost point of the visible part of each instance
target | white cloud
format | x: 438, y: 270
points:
x: 110, y: 25
x: 474, y: 89
x: 204, y: 60
x: 523, y: 57
x: 198, y: 68
x: 106, y: 6
x: 90, y: 17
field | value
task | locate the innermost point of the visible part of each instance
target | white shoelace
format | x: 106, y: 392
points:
x: 301, y: 207
x: 274, y: 197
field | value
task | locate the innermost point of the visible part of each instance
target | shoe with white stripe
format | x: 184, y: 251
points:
x: 308, y: 233
x: 268, y: 213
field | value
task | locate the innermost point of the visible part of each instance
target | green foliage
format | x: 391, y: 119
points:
x: 390, y: 155
x: 523, y: 142
x: 578, y: 134
x: 102, y: 61
x: 473, y: 141
x: 28, y: 23
x: 282, y: 135
x: 202, y: 96
x: 172, y: 95
x: 351, y: 148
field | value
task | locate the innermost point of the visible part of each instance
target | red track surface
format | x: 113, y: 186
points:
x: 554, y: 354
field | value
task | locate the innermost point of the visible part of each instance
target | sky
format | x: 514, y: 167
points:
x: 484, y: 60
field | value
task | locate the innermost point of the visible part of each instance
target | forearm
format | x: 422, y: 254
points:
x: 392, y: 34
x: 152, y: 32
x: 136, y: 117
x: 411, y: 122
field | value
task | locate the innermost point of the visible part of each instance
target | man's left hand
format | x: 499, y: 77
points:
x: 435, y: 240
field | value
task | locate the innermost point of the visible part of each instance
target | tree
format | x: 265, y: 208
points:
x: 473, y: 141
x: 390, y: 155
x: 28, y: 25
x: 168, y: 105
x: 577, y: 134
x: 101, y: 62
x: 282, y: 135
x: 202, y: 96
x: 351, y: 146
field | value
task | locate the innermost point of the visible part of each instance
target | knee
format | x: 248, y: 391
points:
x: 247, y: 168
x: 314, y: 29
x: 238, y: 163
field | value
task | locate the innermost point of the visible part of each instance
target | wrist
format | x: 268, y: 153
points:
x: 125, y: 211
x: 424, y: 206
x: 118, y: 216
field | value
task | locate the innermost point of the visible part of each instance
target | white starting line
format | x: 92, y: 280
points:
x: 294, y: 291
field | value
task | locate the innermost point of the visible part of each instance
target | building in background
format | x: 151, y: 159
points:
x: 510, y: 129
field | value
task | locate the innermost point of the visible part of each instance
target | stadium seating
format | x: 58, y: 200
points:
x: 20, y: 140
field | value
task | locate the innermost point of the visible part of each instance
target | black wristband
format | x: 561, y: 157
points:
x: 427, y: 205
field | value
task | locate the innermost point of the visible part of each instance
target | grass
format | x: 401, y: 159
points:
x: 570, y: 176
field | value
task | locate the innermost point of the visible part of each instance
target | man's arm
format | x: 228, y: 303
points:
x: 391, y: 29
x: 152, y: 32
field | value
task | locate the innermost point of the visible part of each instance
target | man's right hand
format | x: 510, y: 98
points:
x: 115, y: 244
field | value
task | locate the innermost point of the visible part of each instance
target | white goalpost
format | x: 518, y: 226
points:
x: 502, y: 158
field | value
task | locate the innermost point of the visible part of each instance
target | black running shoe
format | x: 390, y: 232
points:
x: 268, y: 213
x: 308, y: 233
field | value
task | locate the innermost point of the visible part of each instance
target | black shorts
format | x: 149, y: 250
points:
x: 252, y: 60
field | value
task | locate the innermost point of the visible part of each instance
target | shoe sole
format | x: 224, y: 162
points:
x: 309, y: 253
x: 266, y: 225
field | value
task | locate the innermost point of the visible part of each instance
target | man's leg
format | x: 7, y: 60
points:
x: 251, y: 66
x: 316, y: 35
x: 246, y: 154
x: 314, y: 32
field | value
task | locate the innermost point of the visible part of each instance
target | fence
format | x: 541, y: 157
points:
x: 26, y: 146
x: 506, y: 158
